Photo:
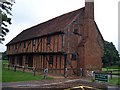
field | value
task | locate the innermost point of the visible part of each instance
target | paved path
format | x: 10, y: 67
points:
x: 58, y: 83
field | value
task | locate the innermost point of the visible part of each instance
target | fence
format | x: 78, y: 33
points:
x: 23, y: 68
x: 53, y: 71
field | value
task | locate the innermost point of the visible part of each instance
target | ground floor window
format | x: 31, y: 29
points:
x: 29, y: 60
x: 11, y: 60
x: 51, y: 59
x: 26, y: 60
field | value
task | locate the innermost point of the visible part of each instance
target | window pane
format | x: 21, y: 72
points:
x: 33, y: 42
x: 74, y: 56
x: 48, y: 40
x: 75, y: 31
x: 24, y: 44
x: 51, y: 59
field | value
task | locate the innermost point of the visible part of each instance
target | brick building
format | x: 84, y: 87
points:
x: 71, y: 41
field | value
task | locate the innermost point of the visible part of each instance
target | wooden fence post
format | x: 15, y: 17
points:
x: 8, y: 66
x: 110, y: 74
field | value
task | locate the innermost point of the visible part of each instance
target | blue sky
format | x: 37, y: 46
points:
x: 27, y: 13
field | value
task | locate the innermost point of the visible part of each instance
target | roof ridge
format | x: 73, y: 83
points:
x: 47, y: 27
x: 54, y: 18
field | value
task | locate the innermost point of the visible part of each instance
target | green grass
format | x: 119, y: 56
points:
x: 0, y: 70
x: 11, y: 76
x: 115, y: 81
x: 112, y: 68
x: 4, y: 61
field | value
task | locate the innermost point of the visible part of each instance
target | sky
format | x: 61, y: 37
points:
x: 27, y: 13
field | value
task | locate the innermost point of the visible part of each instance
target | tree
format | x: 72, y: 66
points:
x: 111, y: 55
x: 5, y: 19
x: 4, y: 56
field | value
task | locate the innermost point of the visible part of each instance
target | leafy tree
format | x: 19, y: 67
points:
x: 111, y: 55
x: 4, y: 56
x: 5, y: 19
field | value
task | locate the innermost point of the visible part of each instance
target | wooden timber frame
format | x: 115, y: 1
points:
x: 40, y: 61
x: 64, y: 44
x: 61, y: 59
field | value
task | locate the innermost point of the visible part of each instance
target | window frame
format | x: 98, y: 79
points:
x: 74, y: 56
x: 33, y: 42
x: 75, y: 31
x: 50, y: 59
x: 48, y: 39
x: 24, y: 44
x: 15, y: 46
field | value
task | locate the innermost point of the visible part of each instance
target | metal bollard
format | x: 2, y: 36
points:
x: 34, y: 71
x: 45, y: 73
x: 23, y: 68
x: 65, y: 72
x: 15, y: 68
x: 81, y: 72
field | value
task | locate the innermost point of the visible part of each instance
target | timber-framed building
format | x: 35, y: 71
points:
x: 71, y: 41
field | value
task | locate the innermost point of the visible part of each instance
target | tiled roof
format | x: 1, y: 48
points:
x: 54, y: 25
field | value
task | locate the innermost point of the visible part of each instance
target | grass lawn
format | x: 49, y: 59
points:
x: 11, y: 76
x: 113, y: 69
x: 115, y: 81
x: 4, y: 61
x: 0, y: 70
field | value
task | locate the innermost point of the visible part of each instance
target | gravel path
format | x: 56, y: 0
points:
x: 57, y: 83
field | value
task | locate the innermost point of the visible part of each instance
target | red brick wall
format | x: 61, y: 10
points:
x: 92, y: 49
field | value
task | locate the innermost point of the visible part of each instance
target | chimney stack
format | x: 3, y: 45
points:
x: 89, y: 9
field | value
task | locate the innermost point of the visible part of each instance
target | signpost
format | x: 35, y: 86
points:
x: 101, y: 77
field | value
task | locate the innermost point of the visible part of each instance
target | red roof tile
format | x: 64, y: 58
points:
x: 54, y: 25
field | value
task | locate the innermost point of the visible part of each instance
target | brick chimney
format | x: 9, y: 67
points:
x: 89, y: 9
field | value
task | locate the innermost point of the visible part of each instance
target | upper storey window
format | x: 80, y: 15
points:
x: 48, y: 40
x: 63, y: 40
x: 20, y: 44
x: 75, y: 31
x: 24, y: 44
x: 33, y: 42
x: 75, y: 27
x: 40, y: 40
x: 15, y: 46
x: 74, y: 56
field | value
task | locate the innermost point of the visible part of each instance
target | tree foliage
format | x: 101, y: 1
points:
x: 5, y: 19
x: 111, y: 55
x: 4, y: 56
